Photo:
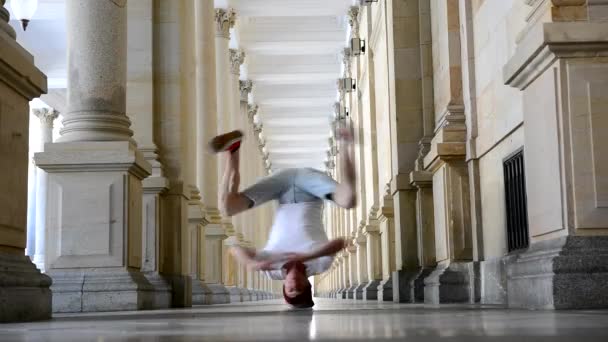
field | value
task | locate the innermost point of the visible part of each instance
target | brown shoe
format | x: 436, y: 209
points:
x: 224, y: 142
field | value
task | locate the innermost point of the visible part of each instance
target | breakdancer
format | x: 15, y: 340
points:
x: 298, y: 246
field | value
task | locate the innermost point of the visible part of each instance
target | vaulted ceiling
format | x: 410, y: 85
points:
x: 294, y: 58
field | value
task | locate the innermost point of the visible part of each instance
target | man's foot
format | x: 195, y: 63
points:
x: 228, y: 142
x: 345, y: 132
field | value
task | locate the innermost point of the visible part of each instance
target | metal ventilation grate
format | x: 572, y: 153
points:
x: 516, y: 202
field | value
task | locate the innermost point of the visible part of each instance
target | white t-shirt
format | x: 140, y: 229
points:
x: 298, y: 228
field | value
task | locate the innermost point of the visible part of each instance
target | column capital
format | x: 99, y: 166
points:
x: 245, y: 87
x: 237, y: 58
x: 353, y: 20
x: 347, y: 60
x: 224, y: 21
x: 252, y: 111
x: 46, y: 115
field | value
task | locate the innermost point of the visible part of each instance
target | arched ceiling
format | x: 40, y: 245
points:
x: 294, y: 57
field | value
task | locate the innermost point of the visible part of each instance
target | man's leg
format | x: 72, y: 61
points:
x: 345, y: 194
x: 232, y: 201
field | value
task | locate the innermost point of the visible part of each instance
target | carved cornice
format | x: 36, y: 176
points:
x: 224, y: 21
x: 46, y: 115
x: 245, y: 87
x: 237, y: 58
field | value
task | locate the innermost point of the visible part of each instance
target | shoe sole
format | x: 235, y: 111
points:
x: 221, y: 142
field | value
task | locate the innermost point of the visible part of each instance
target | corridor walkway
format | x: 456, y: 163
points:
x: 331, y: 320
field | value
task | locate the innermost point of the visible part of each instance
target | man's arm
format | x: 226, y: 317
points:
x: 330, y: 248
x: 249, y: 258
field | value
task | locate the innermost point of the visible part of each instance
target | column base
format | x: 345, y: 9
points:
x: 246, y: 295
x: 418, y: 284
x: 24, y: 291
x: 358, y: 291
x: 201, y: 294
x: 182, y: 291
x: 100, y: 290
x: 385, y: 290
x: 493, y: 284
x: 403, y: 286
x: 218, y: 294
x: 564, y: 273
x: 350, y: 292
x: 449, y: 284
x: 161, y: 290
x: 235, y: 293
x: 370, y: 292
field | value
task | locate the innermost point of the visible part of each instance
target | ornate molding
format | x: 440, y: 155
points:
x: 237, y: 58
x: 46, y: 115
x: 245, y: 87
x: 224, y: 21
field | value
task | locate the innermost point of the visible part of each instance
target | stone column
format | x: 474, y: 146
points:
x: 224, y: 20
x: 425, y: 232
x: 207, y: 179
x: 24, y: 291
x: 453, y: 278
x: 140, y: 108
x: 95, y: 173
x: 47, y: 117
x: 386, y: 226
x: 557, y: 66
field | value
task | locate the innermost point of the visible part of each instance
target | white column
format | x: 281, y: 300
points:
x: 207, y: 179
x: 94, y: 220
x: 224, y: 20
x: 47, y: 117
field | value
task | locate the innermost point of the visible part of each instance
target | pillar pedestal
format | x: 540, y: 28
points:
x: 94, y: 226
x: 451, y: 283
x: 564, y: 273
x: 403, y: 286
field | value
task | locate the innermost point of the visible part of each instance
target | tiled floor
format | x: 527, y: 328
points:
x: 330, y: 320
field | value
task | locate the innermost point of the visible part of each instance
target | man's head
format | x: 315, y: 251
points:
x: 297, y: 290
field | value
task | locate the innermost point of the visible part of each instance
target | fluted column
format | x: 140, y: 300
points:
x: 94, y: 220
x: 47, y: 117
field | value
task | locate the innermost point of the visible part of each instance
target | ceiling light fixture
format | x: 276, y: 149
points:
x: 367, y: 2
x: 347, y: 84
x: 357, y: 46
x: 24, y: 10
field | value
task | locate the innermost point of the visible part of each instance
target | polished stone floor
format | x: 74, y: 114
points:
x: 330, y: 320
